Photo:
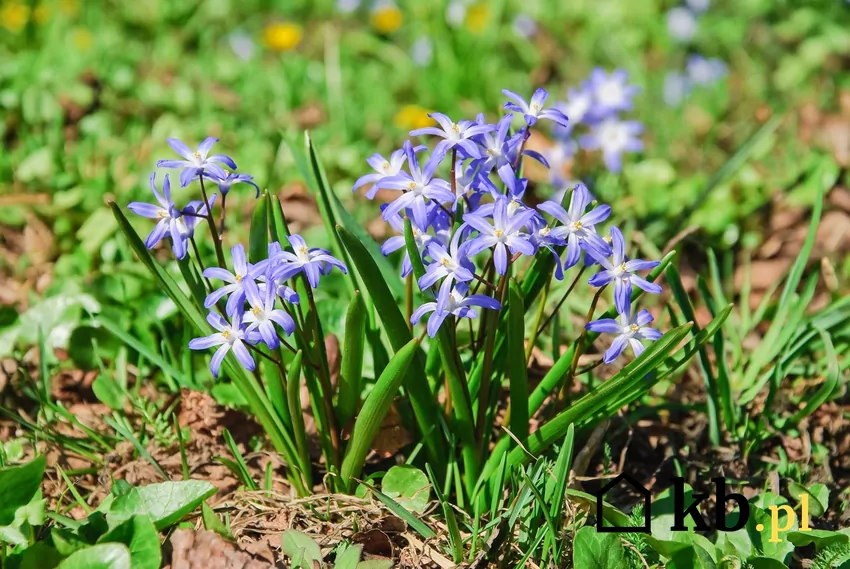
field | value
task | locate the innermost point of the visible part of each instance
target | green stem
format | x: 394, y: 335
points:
x: 219, y: 252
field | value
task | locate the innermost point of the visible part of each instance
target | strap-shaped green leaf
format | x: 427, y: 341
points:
x: 425, y: 407
x: 258, y: 238
x: 259, y: 403
x: 517, y: 370
x: 375, y: 408
x: 351, y: 368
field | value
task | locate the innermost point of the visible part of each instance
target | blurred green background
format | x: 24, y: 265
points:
x: 89, y: 91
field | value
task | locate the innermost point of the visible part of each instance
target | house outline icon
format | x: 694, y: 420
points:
x: 647, y: 502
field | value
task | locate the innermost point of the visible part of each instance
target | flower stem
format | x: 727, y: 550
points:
x: 219, y: 252
x: 200, y: 262
x: 535, y: 330
x: 221, y: 215
x: 566, y: 388
x: 561, y: 302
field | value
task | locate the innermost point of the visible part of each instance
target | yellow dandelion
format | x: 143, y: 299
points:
x: 82, y: 39
x: 411, y: 117
x: 282, y: 36
x: 386, y: 18
x: 14, y: 16
x: 477, y: 17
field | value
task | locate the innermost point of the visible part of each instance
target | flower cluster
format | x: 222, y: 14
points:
x: 473, y: 225
x: 699, y: 71
x: 258, y: 297
x: 596, y: 105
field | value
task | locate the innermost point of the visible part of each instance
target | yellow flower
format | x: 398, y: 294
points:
x: 282, y: 36
x: 14, y: 16
x: 477, y: 17
x: 386, y: 18
x: 412, y: 117
x: 82, y: 39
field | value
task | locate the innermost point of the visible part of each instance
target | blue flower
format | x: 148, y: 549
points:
x: 383, y: 169
x: 497, y: 148
x: 198, y: 162
x: 451, y: 265
x: 579, y: 104
x: 681, y: 23
x: 579, y: 228
x: 703, y: 71
x: 229, y: 337
x: 677, y: 87
x: 458, y: 304
x: 242, y: 271
x: 613, y: 137
x: 611, y: 93
x: 534, y: 109
x: 419, y: 186
x: 263, y: 315
x: 504, y: 234
x: 630, y: 332
x: 559, y: 156
x: 224, y: 184
x: 623, y: 271
x: 312, y: 261
x: 420, y: 236
x: 171, y: 221
x: 454, y: 134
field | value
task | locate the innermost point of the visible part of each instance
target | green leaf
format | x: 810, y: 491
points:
x: 141, y: 538
x: 40, y: 555
x: 165, y: 503
x: 348, y: 557
x: 108, y: 392
x: 593, y: 550
x: 408, y: 486
x: 821, y: 538
x: 18, y: 486
x: 425, y: 408
x: 351, y: 368
x: 374, y: 410
x: 301, y: 549
x: 103, y: 556
x: 517, y: 369
x: 248, y: 386
x: 213, y: 523
x: 258, y: 239
x: 760, y: 562
x: 402, y: 512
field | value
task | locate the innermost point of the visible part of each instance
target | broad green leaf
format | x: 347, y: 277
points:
x: 301, y: 549
x: 213, y: 523
x: 141, y: 538
x: 103, y: 556
x: 760, y: 562
x: 40, y: 555
x: 817, y: 497
x: 165, y: 503
x: 375, y: 408
x: 348, y: 557
x: 18, y: 486
x: 821, y: 538
x: 593, y: 550
x: 402, y: 512
x: 408, y: 486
